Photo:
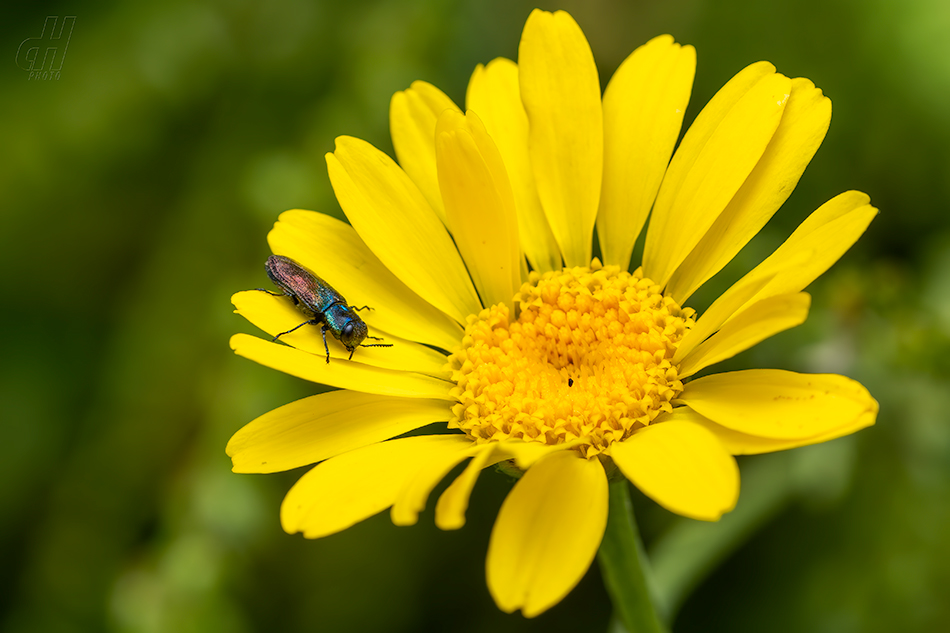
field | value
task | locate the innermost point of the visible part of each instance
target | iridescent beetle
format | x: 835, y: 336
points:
x: 318, y: 300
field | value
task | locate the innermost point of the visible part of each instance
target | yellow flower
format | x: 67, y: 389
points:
x: 570, y: 373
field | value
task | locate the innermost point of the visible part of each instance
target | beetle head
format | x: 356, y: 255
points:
x: 353, y: 334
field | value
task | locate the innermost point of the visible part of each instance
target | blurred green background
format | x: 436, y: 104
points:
x: 137, y: 191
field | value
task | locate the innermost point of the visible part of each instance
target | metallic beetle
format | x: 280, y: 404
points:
x: 318, y: 300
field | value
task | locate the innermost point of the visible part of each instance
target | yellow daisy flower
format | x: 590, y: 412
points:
x: 576, y: 371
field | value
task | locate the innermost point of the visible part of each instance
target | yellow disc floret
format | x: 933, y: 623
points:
x: 587, y: 361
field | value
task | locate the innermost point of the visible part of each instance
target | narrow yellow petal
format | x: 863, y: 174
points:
x: 338, y: 372
x: 479, y: 205
x: 412, y: 500
x: 754, y: 324
x: 681, y: 466
x: 494, y: 94
x: 811, y: 250
x: 333, y: 250
x: 800, y: 132
x: 723, y: 308
x: 450, y: 510
x: 816, y: 244
x: 643, y: 112
x: 716, y: 156
x: 744, y: 444
x: 526, y: 454
x: 275, y: 315
x: 351, y: 487
x: 412, y: 117
x: 547, y: 533
x: 325, y: 425
x: 398, y: 225
x: 780, y: 404
x: 561, y: 94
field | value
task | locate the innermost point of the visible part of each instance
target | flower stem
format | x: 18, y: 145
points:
x: 623, y: 565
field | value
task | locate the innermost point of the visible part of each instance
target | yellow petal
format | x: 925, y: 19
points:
x: 722, y: 309
x: 494, y: 94
x: 526, y: 454
x: 561, y: 94
x: 547, y: 533
x: 643, y: 111
x: 479, y: 205
x: 340, y: 373
x: 399, y: 226
x: 333, y: 250
x: 781, y: 404
x: 753, y: 325
x: 351, y: 487
x: 816, y: 244
x: 681, y: 466
x: 275, y: 315
x: 716, y: 156
x: 325, y: 425
x: 450, y: 510
x: 412, y: 500
x: 744, y: 444
x: 800, y: 132
x: 412, y: 117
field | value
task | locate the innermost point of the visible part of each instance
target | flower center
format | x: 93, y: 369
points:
x: 587, y: 360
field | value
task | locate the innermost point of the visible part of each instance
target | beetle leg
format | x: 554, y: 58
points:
x: 323, y: 331
x: 281, y: 294
x: 310, y: 322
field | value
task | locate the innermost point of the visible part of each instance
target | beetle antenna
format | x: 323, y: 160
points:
x: 377, y: 344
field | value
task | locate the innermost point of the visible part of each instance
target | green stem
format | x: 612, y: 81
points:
x: 624, y: 566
